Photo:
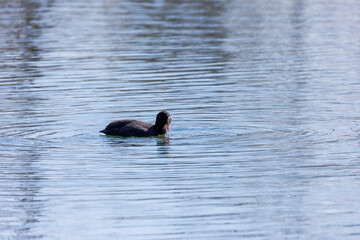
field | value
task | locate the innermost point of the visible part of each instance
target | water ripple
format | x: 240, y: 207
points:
x: 265, y: 137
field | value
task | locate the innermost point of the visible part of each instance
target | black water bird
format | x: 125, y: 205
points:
x: 135, y: 128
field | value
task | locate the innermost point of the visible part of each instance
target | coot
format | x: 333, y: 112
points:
x: 135, y: 128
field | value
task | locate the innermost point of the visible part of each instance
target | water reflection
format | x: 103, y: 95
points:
x: 21, y: 207
x: 265, y: 140
x: 28, y: 200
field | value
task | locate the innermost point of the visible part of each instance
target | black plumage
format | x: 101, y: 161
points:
x: 135, y: 128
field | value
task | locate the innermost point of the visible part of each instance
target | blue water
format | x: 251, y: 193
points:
x: 266, y: 106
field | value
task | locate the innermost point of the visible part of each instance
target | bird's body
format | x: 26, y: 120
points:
x: 135, y: 128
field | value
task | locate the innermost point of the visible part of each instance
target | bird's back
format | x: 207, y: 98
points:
x: 128, y: 128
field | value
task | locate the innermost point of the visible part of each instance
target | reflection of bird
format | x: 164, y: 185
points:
x: 135, y: 128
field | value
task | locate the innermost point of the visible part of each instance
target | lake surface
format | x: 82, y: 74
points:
x: 265, y: 142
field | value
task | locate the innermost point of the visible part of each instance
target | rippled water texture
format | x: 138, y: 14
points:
x: 266, y: 105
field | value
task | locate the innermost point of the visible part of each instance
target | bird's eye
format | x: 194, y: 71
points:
x: 169, y: 120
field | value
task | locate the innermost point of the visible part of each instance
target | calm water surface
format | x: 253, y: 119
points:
x: 266, y: 133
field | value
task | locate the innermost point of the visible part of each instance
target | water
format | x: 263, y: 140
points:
x: 266, y: 107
